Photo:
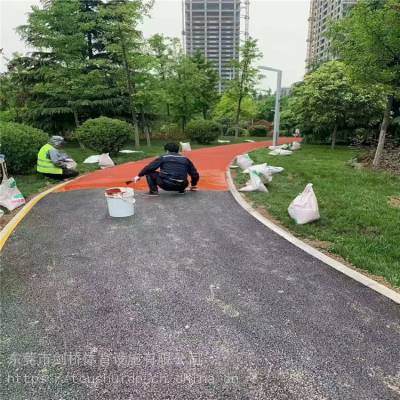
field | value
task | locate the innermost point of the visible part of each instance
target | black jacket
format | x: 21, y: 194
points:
x: 173, y: 166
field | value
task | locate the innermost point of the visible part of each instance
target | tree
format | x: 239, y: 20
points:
x: 226, y: 108
x: 183, y: 88
x: 124, y: 43
x: 207, y: 95
x: 66, y: 74
x: 164, y: 52
x: 328, y: 101
x: 245, y: 77
x: 368, y: 41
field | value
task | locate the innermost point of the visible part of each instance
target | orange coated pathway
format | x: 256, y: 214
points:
x: 211, y: 162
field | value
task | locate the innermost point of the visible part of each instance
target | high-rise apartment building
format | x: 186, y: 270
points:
x: 212, y: 27
x: 321, y: 12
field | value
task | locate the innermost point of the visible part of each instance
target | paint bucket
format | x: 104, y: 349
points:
x: 120, y: 202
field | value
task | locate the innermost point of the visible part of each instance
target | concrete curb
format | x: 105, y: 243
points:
x: 351, y: 273
x: 6, y: 232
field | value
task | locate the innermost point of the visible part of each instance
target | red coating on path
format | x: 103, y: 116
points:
x: 211, y: 162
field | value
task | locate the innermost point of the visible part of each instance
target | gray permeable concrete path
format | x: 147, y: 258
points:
x: 192, y: 298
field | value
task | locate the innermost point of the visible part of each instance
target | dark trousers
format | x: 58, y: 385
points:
x: 154, y: 180
x: 67, y: 173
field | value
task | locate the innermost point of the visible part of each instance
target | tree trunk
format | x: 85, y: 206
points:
x: 130, y: 88
x: 145, y: 131
x: 183, y: 124
x: 237, y: 119
x: 382, y: 134
x: 333, y: 141
x: 77, y: 124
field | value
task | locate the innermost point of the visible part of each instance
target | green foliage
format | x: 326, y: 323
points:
x: 20, y: 145
x: 368, y: 41
x: 203, y: 131
x: 242, y: 132
x: 245, y: 78
x: 258, y: 130
x: 207, y: 95
x: 170, y: 131
x: 186, y: 83
x: 328, y: 101
x: 7, y: 115
x: 105, y: 135
x: 226, y: 108
x: 266, y: 107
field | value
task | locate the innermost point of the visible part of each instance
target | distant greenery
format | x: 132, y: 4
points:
x: 359, y: 219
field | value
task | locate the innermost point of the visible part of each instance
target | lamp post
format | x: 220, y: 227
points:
x: 277, y: 117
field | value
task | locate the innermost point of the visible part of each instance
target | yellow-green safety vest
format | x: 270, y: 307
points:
x: 44, y: 163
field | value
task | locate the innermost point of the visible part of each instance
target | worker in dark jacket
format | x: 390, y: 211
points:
x: 174, y: 169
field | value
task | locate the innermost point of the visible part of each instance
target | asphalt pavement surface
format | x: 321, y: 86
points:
x: 192, y: 298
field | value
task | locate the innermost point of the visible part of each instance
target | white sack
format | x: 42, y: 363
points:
x: 70, y: 164
x: 274, y: 170
x: 223, y: 141
x: 295, y: 146
x: 105, y: 161
x: 185, y: 146
x: 244, y: 161
x: 249, y: 141
x: 10, y: 196
x: 260, y: 169
x: 304, y: 208
x: 281, y: 146
x: 264, y: 169
x: 131, y: 151
x: 255, y: 184
x: 92, y: 159
x: 280, y: 152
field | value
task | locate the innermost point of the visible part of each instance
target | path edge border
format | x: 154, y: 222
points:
x: 8, y: 230
x: 331, y: 262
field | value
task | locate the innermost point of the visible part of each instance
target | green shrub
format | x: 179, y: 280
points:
x: 242, y: 132
x: 8, y: 115
x: 104, y: 135
x: 258, y: 130
x: 203, y: 131
x: 169, y: 131
x: 20, y: 144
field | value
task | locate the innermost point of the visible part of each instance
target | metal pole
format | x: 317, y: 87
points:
x: 277, y: 116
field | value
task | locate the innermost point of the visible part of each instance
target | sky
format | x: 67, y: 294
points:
x: 280, y: 26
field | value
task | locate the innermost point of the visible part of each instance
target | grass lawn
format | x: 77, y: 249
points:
x: 359, y: 219
x: 34, y: 183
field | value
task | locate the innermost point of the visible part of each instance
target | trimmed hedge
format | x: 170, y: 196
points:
x: 20, y: 144
x: 203, y: 131
x: 104, y: 135
x: 242, y: 132
x: 258, y: 130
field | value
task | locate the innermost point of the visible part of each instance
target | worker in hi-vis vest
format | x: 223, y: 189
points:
x: 54, y: 164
